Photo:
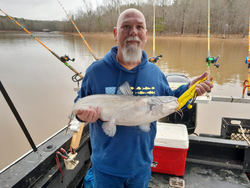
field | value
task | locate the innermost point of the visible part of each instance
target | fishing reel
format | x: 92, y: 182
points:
x: 213, y: 60
x: 247, y: 61
x: 66, y: 58
x: 154, y: 59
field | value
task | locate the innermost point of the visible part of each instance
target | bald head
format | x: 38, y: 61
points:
x: 131, y: 36
x: 128, y: 13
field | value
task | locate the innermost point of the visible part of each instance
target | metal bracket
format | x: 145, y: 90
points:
x: 154, y: 164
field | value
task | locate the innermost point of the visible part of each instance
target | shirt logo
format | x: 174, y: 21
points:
x: 142, y: 91
x: 111, y: 91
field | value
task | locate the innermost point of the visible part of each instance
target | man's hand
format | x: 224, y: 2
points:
x: 89, y: 115
x: 202, y: 87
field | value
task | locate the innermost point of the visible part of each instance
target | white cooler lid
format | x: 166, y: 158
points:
x: 172, y: 135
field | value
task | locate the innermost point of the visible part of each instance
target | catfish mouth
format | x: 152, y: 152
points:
x: 177, y: 104
x: 174, y: 105
x: 171, y: 105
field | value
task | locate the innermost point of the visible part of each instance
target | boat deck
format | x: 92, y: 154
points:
x: 210, y: 162
x: 204, y: 176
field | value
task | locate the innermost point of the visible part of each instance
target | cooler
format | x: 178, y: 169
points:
x: 170, y: 150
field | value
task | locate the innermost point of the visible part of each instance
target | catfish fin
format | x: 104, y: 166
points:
x: 125, y: 89
x: 145, y: 127
x: 155, y: 105
x: 109, y: 127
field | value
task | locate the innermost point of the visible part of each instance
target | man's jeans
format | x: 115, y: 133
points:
x: 102, y: 180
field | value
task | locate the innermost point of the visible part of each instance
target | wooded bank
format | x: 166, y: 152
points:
x: 173, y: 17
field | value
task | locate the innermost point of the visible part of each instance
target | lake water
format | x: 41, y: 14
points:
x: 41, y: 88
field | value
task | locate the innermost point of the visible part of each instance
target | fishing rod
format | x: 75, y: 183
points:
x: 78, y: 32
x: 154, y: 32
x: 210, y: 59
x: 154, y: 59
x: 246, y: 83
x: 77, y: 77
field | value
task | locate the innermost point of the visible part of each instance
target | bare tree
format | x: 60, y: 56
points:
x: 228, y: 17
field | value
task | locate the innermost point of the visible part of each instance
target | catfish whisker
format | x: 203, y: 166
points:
x: 180, y: 112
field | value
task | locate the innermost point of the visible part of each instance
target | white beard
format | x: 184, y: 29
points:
x: 132, y: 53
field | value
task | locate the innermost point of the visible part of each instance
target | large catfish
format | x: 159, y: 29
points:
x: 126, y: 109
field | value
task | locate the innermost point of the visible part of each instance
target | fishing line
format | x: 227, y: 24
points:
x: 154, y: 32
x: 213, y: 73
x: 78, y: 32
x: 77, y: 77
x: 194, y: 98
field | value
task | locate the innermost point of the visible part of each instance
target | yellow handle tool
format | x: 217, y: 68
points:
x: 187, y: 95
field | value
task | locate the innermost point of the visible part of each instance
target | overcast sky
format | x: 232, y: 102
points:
x: 39, y: 9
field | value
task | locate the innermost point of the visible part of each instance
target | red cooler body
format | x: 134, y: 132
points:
x: 170, y: 151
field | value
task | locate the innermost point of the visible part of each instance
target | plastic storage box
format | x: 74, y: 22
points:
x: 170, y: 151
x: 230, y: 128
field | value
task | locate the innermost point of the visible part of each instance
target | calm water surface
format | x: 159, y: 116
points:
x: 40, y: 86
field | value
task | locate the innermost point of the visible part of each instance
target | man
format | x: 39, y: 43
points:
x: 125, y: 159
